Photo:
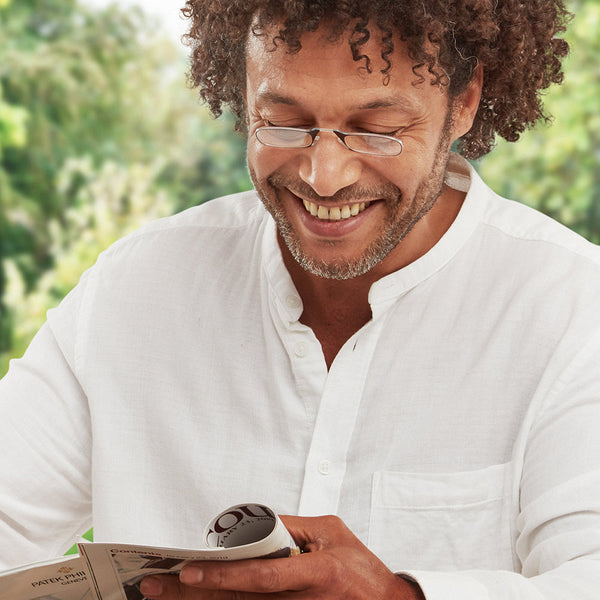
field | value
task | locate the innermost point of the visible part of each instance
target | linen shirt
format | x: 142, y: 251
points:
x: 456, y: 433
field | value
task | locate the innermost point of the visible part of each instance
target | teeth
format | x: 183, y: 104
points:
x: 322, y: 213
x: 336, y: 213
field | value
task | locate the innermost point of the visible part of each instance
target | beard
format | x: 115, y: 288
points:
x: 401, y: 214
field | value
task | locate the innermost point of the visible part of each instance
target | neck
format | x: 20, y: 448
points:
x: 336, y: 309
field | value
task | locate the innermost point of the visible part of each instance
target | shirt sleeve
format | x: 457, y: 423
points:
x: 558, y: 526
x: 45, y: 497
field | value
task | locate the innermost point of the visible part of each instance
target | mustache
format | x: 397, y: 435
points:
x: 352, y: 193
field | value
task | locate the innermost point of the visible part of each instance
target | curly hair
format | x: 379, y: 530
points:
x: 515, y: 41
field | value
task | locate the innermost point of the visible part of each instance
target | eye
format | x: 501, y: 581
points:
x: 376, y: 131
x: 294, y: 122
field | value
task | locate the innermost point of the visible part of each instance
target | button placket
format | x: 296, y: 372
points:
x: 300, y: 349
x: 324, y: 467
x: 326, y: 461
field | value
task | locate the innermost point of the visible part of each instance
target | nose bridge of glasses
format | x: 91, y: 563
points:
x: 340, y: 135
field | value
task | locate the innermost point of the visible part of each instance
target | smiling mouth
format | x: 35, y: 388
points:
x: 336, y: 213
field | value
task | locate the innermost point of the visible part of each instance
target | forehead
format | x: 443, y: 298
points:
x: 327, y: 71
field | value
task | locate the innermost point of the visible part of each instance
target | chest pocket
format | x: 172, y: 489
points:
x: 442, y: 521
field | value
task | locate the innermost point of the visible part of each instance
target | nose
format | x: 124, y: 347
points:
x: 328, y: 166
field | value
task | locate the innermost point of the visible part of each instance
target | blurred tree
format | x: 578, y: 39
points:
x: 91, y: 96
x: 12, y: 133
x: 96, y: 84
x: 75, y: 73
x: 556, y: 166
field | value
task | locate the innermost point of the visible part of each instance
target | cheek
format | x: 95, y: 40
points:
x: 251, y: 157
x: 264, y: 161
x: 412, y: 168
x: 401, y: 173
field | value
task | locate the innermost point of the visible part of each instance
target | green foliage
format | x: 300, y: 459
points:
x: 98, y: 133
x: 12, y: 125
x: 12, y: 133
x: 89, y: 536
x: 556, y: 166
x: 75, y: 73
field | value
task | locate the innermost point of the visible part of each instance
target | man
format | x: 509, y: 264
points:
x: 388, y: 342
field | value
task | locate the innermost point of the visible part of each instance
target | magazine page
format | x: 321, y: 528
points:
x: 242, y: 531
x: 60, y: 579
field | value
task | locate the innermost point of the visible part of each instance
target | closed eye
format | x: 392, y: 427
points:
x: 292, y: 126
x: 393, y: 133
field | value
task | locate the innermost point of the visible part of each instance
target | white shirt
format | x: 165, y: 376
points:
x: 456, y: 433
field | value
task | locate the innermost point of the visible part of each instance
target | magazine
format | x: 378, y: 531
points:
x: 60, y: 579
x: 105, y: 571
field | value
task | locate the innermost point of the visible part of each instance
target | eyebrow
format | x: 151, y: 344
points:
x: 401, y: 102
x: 272, y: 97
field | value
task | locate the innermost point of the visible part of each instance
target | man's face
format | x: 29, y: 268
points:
x: 365, y: 204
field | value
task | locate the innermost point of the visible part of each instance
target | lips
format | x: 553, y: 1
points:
x: 335, y: 213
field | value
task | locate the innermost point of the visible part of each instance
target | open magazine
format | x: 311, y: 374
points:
x: 104, y: 571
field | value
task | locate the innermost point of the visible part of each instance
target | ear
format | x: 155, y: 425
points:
x: 467, y: 103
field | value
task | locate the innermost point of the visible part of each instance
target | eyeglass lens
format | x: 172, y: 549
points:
x: 288, y: 137
x: 283, y: 137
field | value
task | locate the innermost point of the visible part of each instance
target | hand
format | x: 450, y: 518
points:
x: 335, y: 565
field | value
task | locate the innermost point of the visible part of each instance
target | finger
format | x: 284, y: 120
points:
x: 162, y: 586
x: 261, y: 576
x: 168, y: 587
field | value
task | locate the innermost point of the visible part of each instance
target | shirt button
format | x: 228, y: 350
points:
x: 300, y: 349
x: 293, y: 302
x: 324, y: 467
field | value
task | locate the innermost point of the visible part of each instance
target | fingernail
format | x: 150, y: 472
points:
x: 151, y: 586
x: 191, y: 575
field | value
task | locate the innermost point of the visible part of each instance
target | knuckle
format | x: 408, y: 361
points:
x: 334, y: 529
x: 219, y: 578
x: 336, y: 573
x: 334, y: 521
x: 269, y: 577
x: 214, y: 578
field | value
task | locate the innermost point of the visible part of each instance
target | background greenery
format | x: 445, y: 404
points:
x: 99, y: 133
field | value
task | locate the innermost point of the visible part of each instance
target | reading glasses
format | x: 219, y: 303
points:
x: 375, y: 144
